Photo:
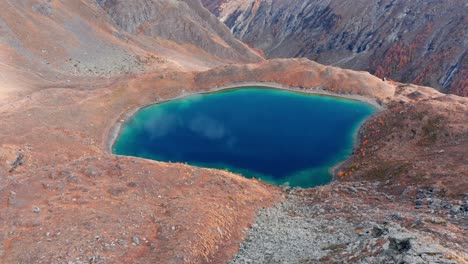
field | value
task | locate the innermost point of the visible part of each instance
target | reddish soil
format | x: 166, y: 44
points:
x: 92, y: 204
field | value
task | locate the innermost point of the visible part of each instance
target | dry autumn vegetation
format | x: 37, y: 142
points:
x: 71, y: 71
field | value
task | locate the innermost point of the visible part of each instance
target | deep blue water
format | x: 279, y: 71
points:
x: 278, y: 136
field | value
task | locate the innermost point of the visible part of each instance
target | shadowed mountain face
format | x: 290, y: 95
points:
x: 420, y: 41
x: 184, y: 22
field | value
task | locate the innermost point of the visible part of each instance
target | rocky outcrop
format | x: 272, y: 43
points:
x: 185, y: 22
x: 422, y: 42
x: 348, y: 223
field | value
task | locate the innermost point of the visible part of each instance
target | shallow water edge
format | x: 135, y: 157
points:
x: 115, y: 131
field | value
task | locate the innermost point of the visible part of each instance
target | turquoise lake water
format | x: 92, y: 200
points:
x: 275, y: 135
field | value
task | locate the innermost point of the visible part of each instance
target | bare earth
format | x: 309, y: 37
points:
x: 72, y: 200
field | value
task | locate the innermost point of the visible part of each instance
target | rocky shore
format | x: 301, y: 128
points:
x: 353, y: 223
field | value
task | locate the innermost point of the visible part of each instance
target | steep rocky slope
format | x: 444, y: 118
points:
x: 422, y: 42
x: 184, y: 22
x: 53, y: 42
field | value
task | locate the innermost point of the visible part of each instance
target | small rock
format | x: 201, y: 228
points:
x: 420, y: 195
x: 92, y: 172
x: 417, y: 223
x: 286, y: 188
x: 437, y: 220
x: 132, y: 184
x: 12, y: 200
x: 122, y: 242
x: 53, y: 176
x: 65, y: 173
x: 136, y: 240
x: 465, y: 207
x: 116, y: 191
x: 18, y: 162
x: 36, y: 210
x: 388, y: 197
x: 378, y: 231
x: 400, y: 242
x: 397, y: 216
x: 72, y: 179
x: 455, y: 209
x: 351, y: 188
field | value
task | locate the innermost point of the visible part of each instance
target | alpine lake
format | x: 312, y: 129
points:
x: 278, y: 136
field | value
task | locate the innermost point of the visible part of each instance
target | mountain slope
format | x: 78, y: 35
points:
x: 180, y: 21
x: 422, y: 42
x: 73, y: 71
x: 59, y: 41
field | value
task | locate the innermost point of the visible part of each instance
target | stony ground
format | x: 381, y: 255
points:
x: 354, y: 223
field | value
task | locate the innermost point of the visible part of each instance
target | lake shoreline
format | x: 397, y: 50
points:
x: 115, y: 130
